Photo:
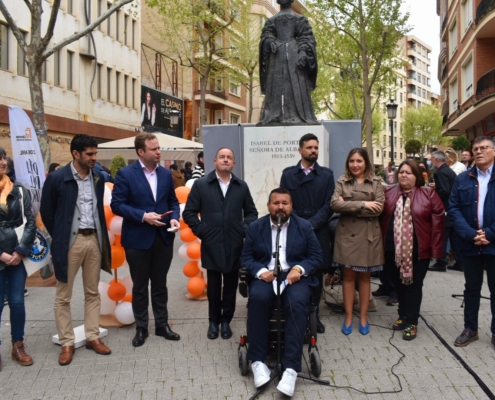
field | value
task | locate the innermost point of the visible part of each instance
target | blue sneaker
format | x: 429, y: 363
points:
x: 364, y: 330
x: 346, y: 330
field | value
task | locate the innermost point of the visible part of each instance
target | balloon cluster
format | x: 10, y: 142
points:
x: 190, y: 251
x: 116, y: 296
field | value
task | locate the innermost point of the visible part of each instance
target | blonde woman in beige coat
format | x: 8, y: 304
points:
x: 359, y: 199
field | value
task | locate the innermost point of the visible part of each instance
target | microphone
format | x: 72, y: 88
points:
x: 279, y: 220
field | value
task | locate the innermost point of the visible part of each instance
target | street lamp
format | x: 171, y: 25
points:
x: 392, y: 113
x: 174, y: 117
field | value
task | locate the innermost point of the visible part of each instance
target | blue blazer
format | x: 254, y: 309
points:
x: 132, y: 198
x: 302, y: 246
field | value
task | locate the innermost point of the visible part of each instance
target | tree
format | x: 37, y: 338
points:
x: 364, y: 47
x: 197, y: 34
x: 413, y: 147
x: 39, y: 49
x: 118, y: 162
x: 461, y: 143
x: 423, y: 124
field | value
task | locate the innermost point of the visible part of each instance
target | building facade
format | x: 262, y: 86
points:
x: 467, y: 66
x: 85, y: 91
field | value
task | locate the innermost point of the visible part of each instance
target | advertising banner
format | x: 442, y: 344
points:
x: 158, y: 110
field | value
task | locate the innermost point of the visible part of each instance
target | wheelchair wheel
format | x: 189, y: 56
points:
x: 315, y: 362
x: 243, y: 362
x: 313, y: 324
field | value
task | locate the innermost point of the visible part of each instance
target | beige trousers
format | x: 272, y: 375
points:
x: 85, y: 252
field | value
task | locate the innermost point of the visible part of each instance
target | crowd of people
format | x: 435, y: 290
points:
x: 393, y: 223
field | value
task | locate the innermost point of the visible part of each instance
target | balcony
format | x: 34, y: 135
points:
x: 445, y: 72
x: 485, y: 8
x: 216, y: 93
x: 486, y: 85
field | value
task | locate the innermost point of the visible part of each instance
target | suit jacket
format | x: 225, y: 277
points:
x: 58, y: 210
x: 132, y: 198
x: 444, y: 181
x: 302, y: 246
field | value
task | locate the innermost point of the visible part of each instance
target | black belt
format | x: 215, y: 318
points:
x: 86, y: 232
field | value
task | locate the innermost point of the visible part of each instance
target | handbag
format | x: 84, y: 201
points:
x: 39, y: 256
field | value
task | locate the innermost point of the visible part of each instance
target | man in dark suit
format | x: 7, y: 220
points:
x: 144, y: 196
x: 72, y: 211
x: 226, y: 209
x: 311, y: 187
x: 444, y: 178
x: 300, y: 255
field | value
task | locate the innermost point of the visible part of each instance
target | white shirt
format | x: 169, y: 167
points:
x: 151, y: 177
x: 283, y: 249
x: 224, y: 186
x: 483, y: 180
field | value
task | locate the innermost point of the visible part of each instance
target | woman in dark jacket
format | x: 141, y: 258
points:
x: 412, y: 225
x: 11, y: 253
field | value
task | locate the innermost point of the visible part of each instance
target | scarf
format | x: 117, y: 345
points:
x: 403, y: 239
x: 6, y: 186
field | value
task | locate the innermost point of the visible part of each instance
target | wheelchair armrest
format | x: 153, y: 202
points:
x: 244, y: 279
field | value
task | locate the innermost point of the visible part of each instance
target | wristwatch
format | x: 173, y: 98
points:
x: 298, y: 269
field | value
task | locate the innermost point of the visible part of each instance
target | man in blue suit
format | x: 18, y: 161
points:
x: 144, y: 196
x: 300, y: 255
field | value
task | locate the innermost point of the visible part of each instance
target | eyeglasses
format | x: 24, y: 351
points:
x: 481, y: 148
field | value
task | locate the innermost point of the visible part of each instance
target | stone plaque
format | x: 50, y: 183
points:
x: 268, y: 150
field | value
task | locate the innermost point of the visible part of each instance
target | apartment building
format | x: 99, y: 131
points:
x: 85, y: 91
x: 467, y: 66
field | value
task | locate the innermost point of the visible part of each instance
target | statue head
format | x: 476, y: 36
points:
x: 285, y: 2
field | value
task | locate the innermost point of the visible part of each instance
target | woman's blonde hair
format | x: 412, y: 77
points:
x: 451, y: 156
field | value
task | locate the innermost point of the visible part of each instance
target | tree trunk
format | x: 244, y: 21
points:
x: 38, y: 108
x: 250, y: 90
x: 202, y: 107
x: 367, y: 103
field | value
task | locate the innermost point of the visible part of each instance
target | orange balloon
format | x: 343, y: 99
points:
x: 194, y: 251
x: 128, y: 298
x: 183, y: 224
x: 118, y: 257
x: 191, y: 269
x: 112, y: 282
x: 196, y: 286
x: 116, y: 292
x: 109, y: 185
x: 117, y: 240
x: 187, y: 235
x: 108, y: 215
x: 182, y: 192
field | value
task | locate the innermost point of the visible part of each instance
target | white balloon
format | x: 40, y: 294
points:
x: 125, y: 265
x: 107, y: 196
x: 182, y: 206
x: 127, y: 282
x: 111, y: 237
x: 190, y: 183
x: 107, y: 304
x: 124, y: 313
x: 116, y: 225
x: 183, y: 252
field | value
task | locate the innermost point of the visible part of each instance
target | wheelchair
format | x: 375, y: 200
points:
x: 309, y: 337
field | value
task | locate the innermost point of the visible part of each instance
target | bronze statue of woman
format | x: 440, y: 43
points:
x: 288, y: 68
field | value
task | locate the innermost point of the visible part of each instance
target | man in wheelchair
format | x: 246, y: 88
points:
x: 299, y: 255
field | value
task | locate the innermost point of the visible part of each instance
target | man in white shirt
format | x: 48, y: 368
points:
x: 300, y: 255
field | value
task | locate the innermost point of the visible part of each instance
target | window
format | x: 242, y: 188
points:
x: 56, y: 68
x: 70, y: 61
x: 133, y: 33
x: 234, y: 119
x: 134, y: 93
x: 453, y: 38
x: 467, y: 78
x: 117, y: 91
x: 395, y: 127
x: 218, y: 85
x: 109, y: 20
x: 467, y: 14
x: 4, y: 46
x: 389, y: 154
x: 395, y: 141
x: 401, y: 99
x: 218, y: 117
x: 234, y: 88
x: 70, y: 6
x: 390, y: 140
x: 99, y: 72
x: 117, y: 24
x: 109, y: 85
x: 378, y: 153
x: 400, y: 111
x: 126, y: 87
x: 395, y: 154
x: 401, y: 156
x: 21, y: 64
x: 219, y: 41
x: 384, y: 139
x: 100, y: 9
x: 453, y: 95
x: 44, y: 77
x: 126, y: 27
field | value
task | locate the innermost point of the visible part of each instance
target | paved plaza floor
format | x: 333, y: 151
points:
x: 198, y: 368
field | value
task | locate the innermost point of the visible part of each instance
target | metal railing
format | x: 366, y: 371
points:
x: 485, y: 8
x: 445, y: 72
x: 216, y: 93
x: 485, y: 85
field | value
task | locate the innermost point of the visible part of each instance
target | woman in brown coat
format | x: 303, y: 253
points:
x: 359, y: 199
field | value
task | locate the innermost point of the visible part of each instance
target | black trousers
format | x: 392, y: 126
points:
x: 452, y: 235
x: 221, y: 295
x: 473, y: 274
x: 409, y: 296
x: 150, y: 265
x: 386, y: 276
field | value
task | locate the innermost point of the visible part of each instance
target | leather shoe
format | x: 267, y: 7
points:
x: 140, y: 338
x: 438, y: 268
x: 467, y: 336
x: 98, y: 346
x: 212, y: 330
x: 66, y: 355
x: 320, y: 328
x: 166, y: 332
x: 226, y: 331
x: 456, y: 267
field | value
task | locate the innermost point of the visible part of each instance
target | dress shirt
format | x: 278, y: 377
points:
x: 307, y: 170
x: 483, y: 180
x: 84, y: 198
x: 224, y: 186
x: 283, y: 249
x: 151, y: 177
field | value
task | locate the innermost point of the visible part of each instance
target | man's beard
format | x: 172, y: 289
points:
x: 285, y: 217
x: 311, y: 159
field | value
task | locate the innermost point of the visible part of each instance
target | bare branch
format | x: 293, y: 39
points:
x: 86, y: 30
x: 29, y: 5
x: 15, y: 29
x: 51, y: 25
